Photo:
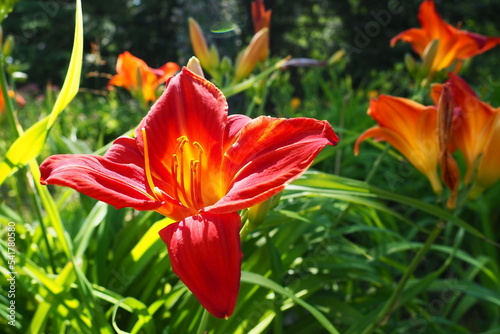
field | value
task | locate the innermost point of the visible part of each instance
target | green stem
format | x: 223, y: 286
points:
x: 375, y: 166
x: 235, y: 89
x: 276, y: 275
x: 203, y: 322
x: 338, y: 156
x: 9, y: 105
x: 391, y: 303
x: 38, y: 212
x: 246, y: 229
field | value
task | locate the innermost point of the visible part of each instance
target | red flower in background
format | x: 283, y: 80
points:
x: 192, y: 162
x: 140, y: 79
x: 453, y: 44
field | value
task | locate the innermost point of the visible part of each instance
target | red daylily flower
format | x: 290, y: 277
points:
x: 137, y: 77
x: 192, y: 162
x: 453, y: 44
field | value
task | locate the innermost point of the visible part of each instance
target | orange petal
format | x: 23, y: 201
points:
x: 473, y: 114
x: 489, y: 167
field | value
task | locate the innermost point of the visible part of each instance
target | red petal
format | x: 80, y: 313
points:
x: 190, y: 106
x: 117, y: 179
x: 205, y: 253
x: 268, y: 154
x: 125, y: 148
x: 234, y: 124
x: 119, y: 185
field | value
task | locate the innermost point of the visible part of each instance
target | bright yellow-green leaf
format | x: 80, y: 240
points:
x: 24, y: 149
x: 29, y: 145
x: 72, y: 80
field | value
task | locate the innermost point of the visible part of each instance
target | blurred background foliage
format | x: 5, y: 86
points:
x: 157, y: 31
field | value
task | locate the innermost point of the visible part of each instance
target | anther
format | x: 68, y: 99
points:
x: 175, y: 169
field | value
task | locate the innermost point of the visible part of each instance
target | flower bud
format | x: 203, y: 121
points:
x: 194, y: 66
x: 428, y: 58
x: 258, y: 213
x: 8, y: 46
x: 256, y: 51
x: 209, y: 59
x: 411, y: 64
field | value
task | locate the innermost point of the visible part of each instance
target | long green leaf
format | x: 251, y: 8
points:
x: 322, y: 184
x: 29, y: 145
x: 257, y: 279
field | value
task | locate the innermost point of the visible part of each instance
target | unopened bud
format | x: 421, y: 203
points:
x: 258, y: 213
x: 411, y: 64
x: 256, y: 51
x: 428, y: 58
x: 336, y: 57
x: 209, y: 59
x: 194, y: 66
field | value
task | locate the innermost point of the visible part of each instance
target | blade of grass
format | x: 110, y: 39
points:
x: 257, y: 279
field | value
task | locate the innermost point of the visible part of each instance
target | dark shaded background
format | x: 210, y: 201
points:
x: 156, y: 31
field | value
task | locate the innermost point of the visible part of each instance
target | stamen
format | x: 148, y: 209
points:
x: 182, y: 140
x: 193, y: 168
x: 180, y: 170
x: 147, y: 167
x: 175, y: 169
x: 199, y: 147
x: 180, y: 148
x: 196, y: 178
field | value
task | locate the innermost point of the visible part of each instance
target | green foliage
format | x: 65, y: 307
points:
x: 356, y: 245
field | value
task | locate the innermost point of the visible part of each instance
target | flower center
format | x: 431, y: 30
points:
x: 186, y: 167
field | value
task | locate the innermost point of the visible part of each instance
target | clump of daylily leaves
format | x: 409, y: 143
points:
x: 428, y: 135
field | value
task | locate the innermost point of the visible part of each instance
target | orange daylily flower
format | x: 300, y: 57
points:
x: 411, y: 128
x: 453, y: 44
x: 488, y: 171
x: 137, y: 77
x: 471, y: 118
x: 13, y: 95
x: 260, y: 16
